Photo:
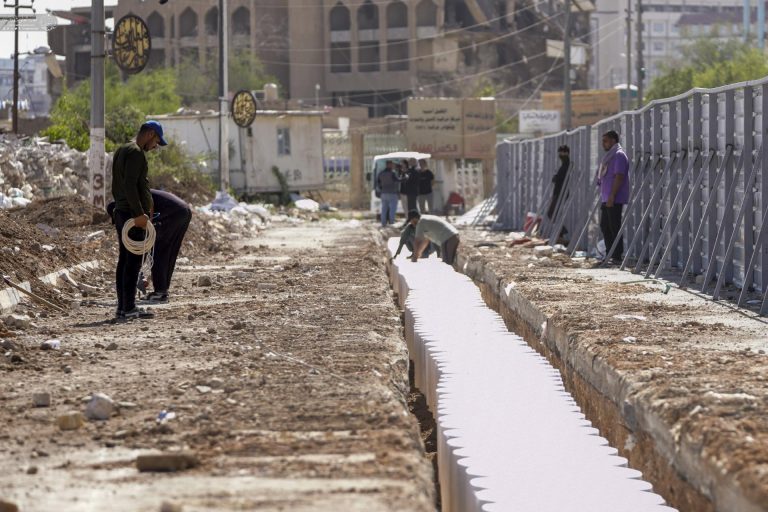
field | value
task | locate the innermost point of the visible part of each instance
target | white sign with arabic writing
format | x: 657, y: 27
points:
x: 436, y: 126
x: 539, y: 121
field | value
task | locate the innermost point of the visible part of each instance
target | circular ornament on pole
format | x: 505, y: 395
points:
x: 131, y: 44
x: 244, y: 108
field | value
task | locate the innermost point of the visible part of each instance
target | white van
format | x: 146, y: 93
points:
x: 379, y: 163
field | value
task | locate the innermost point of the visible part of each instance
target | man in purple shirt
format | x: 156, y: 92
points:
x: 613, y: 180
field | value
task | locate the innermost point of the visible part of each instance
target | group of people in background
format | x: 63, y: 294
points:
x: 407, y: 181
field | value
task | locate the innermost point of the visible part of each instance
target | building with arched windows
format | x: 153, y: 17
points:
x: 364, y: 53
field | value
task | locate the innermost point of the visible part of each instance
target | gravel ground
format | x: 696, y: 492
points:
x: 287, y: 377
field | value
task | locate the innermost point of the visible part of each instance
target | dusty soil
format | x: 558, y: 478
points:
x: 287, y: 376
x: 701, y: 366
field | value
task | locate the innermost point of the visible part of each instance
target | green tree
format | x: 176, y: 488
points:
x: 126, y: 106
x: 709, y: 63
x: 246, y: 71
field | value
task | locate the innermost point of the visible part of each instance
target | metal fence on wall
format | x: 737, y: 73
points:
x: 697, y: 205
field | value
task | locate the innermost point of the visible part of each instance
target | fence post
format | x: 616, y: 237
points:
x: 356, y: 169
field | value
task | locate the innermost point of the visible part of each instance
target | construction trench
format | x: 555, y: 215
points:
x: 283, y: 361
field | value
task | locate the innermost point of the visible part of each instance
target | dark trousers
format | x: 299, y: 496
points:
x: 449, y: 248
x: 413, y: 203
x: 172, y: 222
x: 128, y: 264
x: 610, y: 223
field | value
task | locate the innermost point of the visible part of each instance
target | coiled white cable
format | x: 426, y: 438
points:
x: 139, y: 247
x: 143, y: 248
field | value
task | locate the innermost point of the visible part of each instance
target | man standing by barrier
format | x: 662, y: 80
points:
x: 613, y: 180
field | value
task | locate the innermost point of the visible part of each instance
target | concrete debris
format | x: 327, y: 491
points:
x: 7, y: 344
x: 111, y: 346
x: 50, y: 345
x: 630, y: 317
x: 204, y: 281
x: 100, y: 407
x: 41, y: 399
x: 18, y: 321
x: 542, y: 251
x: 216, y: 383
x: 36, y: 168
x: 71, y: 421
x: 203, y: 389
x: 630, y: 339
x: 166, y: 462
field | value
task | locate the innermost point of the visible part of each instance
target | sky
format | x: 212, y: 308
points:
x: 28, y: 41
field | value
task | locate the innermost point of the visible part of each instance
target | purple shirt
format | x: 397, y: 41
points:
x: 619, y: 165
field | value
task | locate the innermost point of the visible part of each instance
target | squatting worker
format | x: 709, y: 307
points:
x: 408, y: 237
x: 430, y: 228
x: 171, y: 220
x: 613, y: 180
x: 133, y: 200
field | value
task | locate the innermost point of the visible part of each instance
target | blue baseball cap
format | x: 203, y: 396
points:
x: 158, y: 129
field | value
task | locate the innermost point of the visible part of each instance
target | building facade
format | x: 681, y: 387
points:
x: 35, y: 83
x: 663, y: 35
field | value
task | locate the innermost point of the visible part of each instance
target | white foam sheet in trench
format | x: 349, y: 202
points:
x: 510, y: 438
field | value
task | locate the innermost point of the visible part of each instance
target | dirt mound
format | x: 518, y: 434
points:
x: 27, y: 252
x: 62, y: 212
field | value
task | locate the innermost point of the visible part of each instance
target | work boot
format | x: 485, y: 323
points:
x: 137, y: 313
x: 157, y: 297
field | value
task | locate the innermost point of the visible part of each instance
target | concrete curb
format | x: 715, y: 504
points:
x: 684, y: 462
x: 10, y: 298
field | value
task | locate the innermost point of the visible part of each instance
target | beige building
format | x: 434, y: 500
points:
x: 188, y: 29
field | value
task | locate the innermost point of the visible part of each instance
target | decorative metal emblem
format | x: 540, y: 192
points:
x: 244, y: 108
x: 131, y: 44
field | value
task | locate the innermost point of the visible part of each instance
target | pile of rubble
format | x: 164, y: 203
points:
x: 35, y: 168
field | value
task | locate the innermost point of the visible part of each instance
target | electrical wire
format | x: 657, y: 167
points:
x: 434, y: 54
x: 144, y: 248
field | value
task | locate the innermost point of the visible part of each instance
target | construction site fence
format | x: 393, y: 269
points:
x: 697, y: 203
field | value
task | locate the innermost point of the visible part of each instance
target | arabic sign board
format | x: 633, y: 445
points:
x: 588, y: 107
x: 436, y: 126
x: 479, y: 128
x: 539, y: 121
x: 452, y: 128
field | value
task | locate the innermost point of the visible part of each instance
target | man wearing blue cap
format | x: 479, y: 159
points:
x: 133, y: 200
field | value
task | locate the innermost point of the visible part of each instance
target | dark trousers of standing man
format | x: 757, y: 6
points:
x: 128, y: 264
x: 610, y: 223
x: 172, y: 222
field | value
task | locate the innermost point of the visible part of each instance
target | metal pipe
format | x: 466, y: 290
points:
x: 223, y: 100
x: 96, y: 160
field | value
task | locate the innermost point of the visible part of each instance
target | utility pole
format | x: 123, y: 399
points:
x: 640, y: 48
x: 96, y: 161
x: 627, y: 100
x: 223, y: 102
x: 15, y: 109
x: 567, y: 64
